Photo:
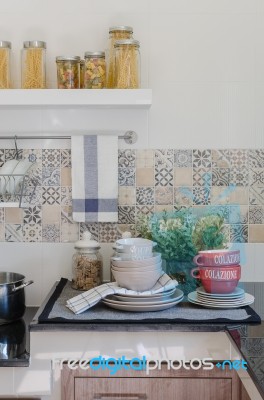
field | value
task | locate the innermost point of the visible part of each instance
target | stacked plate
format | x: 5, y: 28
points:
x: 140, y: 303
x: 238, y: 298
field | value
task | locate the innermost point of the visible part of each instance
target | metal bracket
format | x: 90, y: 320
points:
x: 130, y: 137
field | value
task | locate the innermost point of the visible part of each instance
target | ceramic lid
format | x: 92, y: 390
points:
x: 87, y: 242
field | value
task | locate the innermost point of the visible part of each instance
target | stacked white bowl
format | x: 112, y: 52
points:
x: 134, y: 265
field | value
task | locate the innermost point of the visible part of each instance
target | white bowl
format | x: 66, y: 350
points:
x: 151, y: 268
x: 138, y: 247
x: 133, y: 281
x: 124, y: 262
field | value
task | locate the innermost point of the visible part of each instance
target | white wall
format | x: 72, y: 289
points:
x: 203, y: 59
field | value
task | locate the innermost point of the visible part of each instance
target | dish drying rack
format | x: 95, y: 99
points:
x: 13, y: 189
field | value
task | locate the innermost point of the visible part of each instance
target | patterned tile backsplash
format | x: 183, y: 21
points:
x: 229, y: 181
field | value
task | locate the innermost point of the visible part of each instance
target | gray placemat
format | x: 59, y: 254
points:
x: 100, y: 312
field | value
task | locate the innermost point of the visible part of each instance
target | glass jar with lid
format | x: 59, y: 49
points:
x: 127, y: 64
x: 87, y: 264
x: 82, y: 68
x: 68, y: 72
x: 115, y: 33
x: 34, y: 65
x: 95, y: 70
x: 5, y: 49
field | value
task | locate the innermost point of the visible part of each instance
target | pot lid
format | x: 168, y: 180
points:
x: 87, y: 242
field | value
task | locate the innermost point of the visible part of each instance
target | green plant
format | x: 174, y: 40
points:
x: 209, y: 233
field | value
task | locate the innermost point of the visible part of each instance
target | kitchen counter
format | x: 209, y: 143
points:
x: 248, y: 338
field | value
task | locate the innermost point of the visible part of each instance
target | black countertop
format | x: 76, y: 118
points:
x: 14, y: 337
x: 14, y: 341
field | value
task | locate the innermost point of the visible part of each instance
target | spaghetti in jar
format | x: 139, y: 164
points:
x: 5, y: 48
x: 127, y: 64
x: 34, y: 65
x: 115, y: 33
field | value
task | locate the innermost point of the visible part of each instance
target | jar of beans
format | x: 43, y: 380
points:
x: 5, y: 48
x: 87, y: 264
x: 95, y: 70
x: 34, y: 65
x: 68, y: 72
x: 115, y: 33
x: 127, y: 64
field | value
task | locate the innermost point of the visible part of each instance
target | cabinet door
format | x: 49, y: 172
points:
x: 152, y: 389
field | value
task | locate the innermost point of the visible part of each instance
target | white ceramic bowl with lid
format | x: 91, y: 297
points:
x: 139, y: 248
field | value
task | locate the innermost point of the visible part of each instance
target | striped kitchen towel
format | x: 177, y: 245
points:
x: 95, y: 178
x: 88, y: 299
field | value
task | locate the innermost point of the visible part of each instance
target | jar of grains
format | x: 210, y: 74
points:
x: 115, y: 33
x: 127, y: 64
x: 5, y: 48
x: 87, y: 265
x: 68, y: 72
x: 34, y: 65
x: 82, y: 67
x: 95, y: 70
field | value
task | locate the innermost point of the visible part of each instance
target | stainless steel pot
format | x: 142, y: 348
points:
x: 12, y: 296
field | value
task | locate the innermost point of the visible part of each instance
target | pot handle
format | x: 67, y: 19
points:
x: 15, y: 289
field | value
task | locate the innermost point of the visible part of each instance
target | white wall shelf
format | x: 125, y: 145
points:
x: 104, y: 98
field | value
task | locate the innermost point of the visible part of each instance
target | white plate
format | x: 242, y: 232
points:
x: 249, y: 299
x: 128, y: 297
x: 224, y: 302
x: 146, y: 307
x: 146, y: 296
x: 236, y: 293
x: 177, y: 295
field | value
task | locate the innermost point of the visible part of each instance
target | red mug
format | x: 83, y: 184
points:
x: 218, y: 279
x: 217, y: 258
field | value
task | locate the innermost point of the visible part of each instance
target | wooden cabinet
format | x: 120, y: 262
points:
x: 159, y: 385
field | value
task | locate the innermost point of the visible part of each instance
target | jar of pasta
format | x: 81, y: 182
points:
x: 34, y: 65
x: 95, y: 70
x: 87, y: 264
x: 5, y: 48
x: 115, y: 33
x: 127, y: 64
x: 68, y: 72
x: 82, y: 68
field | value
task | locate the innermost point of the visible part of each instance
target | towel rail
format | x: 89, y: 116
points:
x: 130, y: 137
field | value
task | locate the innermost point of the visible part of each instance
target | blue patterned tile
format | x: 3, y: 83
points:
x: 239, y: 233
x: 93, y: 228
x: 256, y: 158
x: 202, y: 177
x: 50, y: 176
x: 182, y: 158
x: 65, y: 158
x: 32, y: 233
x: 51, y: 233
x: 239, y: 177
x: 256, y: 214
x: 51, y: 158
x: 126, y: 158
x: 126, y: 214
x: 145, y: 195
x: 221, y: 158
x: 202, y: 158
x: 13, y: 233
x: 238, y: 158
x: 163, y: 195
x: 126, y: 176
x: 256, y: 195
x: 201, y: 195
x: 256, y: 177
x: 32, y: 215
x: 220, y: 176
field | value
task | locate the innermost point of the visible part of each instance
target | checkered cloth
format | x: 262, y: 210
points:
x: 94, y: 178
x: 85, y: 300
